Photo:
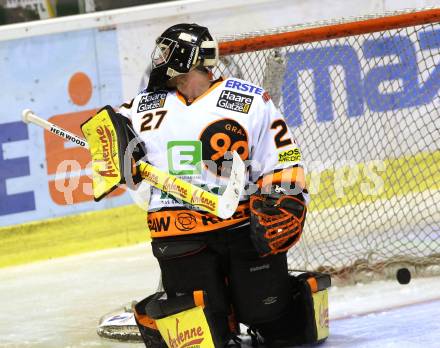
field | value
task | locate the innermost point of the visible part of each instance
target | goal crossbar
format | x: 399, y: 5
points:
x: 328, y: 32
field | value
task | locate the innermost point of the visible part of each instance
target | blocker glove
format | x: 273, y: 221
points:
x: 277, y: 221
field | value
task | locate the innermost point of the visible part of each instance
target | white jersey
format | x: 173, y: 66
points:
x: 190, y: 140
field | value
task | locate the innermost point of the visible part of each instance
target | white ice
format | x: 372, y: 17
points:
x: 58, y: 303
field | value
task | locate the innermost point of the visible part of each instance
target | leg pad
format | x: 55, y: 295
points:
x: 182, y: 320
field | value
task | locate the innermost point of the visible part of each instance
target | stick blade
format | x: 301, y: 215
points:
x: 228, y: 201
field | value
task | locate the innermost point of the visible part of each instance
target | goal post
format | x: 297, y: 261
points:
x: 361, y: 97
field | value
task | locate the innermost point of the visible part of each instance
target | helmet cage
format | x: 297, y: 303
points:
x: 163, y: 51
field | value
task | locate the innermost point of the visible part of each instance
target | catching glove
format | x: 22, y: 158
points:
x: 277, y: 221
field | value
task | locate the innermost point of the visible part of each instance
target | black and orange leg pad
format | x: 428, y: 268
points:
x: 147, y: 326
x: 312, y: 302
x: 187, y: 264
x: 181, y: 321
x: 306, y: 318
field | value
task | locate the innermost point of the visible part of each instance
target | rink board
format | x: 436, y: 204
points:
x: 70, y: 235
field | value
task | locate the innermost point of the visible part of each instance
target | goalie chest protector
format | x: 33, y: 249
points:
x: 190, y: 140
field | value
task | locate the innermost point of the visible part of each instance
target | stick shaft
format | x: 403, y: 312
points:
x: 220, y: 205
x: 30, y: 117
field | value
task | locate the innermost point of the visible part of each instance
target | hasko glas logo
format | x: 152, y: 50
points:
x: 184, y: 157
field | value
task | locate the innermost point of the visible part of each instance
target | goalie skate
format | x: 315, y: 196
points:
x: 119, y: 325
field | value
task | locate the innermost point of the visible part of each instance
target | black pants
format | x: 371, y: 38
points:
x: 226, y: 265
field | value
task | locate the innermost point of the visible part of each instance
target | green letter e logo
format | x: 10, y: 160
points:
x: 184, y: 157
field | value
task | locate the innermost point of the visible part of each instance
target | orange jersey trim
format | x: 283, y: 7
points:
x: 289, y: 175
x: 182, y: 98
x: 177, y: 222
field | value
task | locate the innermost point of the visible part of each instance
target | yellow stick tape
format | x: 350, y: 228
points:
x: 180, y: 189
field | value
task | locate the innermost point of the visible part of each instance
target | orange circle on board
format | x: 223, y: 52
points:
x: 80, y: 88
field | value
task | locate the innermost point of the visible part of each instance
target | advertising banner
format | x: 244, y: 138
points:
x: 63, y: 78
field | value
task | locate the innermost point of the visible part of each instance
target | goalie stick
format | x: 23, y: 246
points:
x: 222, y: 206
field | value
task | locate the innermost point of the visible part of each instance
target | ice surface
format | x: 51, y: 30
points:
x: 404, y: 327
x: 58, y: 303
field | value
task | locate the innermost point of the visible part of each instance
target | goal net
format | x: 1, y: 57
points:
x: 361, y: 97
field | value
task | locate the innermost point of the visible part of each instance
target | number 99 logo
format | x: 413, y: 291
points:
x: 220, y: 137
